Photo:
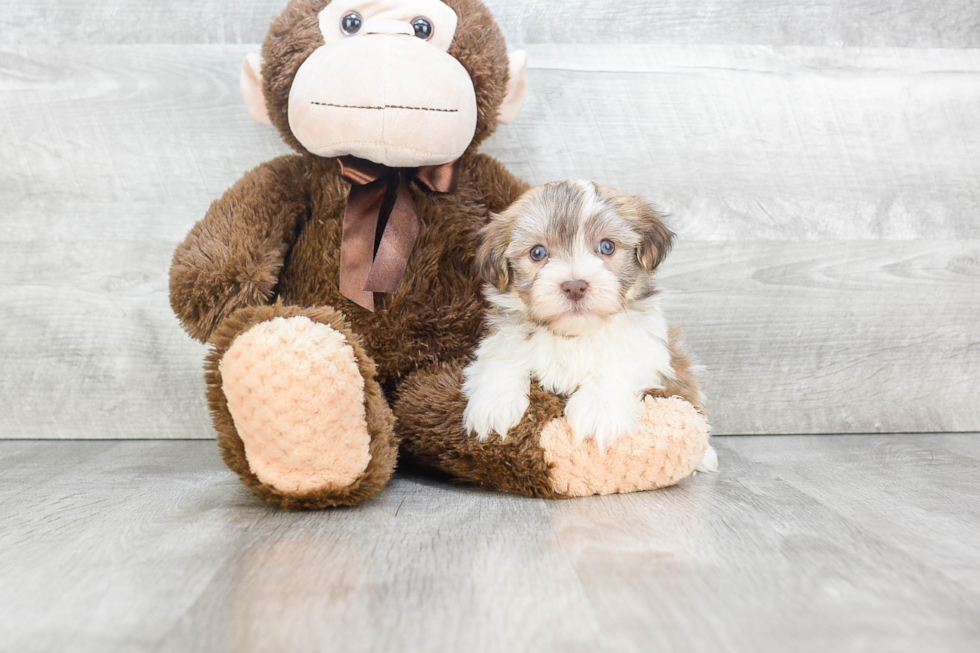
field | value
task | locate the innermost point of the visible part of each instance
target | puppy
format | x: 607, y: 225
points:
x: 573, y: 305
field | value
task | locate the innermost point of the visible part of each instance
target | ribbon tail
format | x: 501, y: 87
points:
x: 396, y: 244
x: 441, y: 179
x: 357, y: 243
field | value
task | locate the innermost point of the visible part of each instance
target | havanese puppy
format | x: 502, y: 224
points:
x: 573, y: 305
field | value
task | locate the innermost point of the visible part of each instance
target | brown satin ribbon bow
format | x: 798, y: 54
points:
x: 381, y: 223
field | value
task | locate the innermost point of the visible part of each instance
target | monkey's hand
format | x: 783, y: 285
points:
x: 232, y: 258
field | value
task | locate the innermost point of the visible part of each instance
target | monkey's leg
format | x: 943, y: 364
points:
x: 538, y: 457
x: 298, y: 412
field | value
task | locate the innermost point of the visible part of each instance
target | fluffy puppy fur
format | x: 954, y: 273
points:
x: 573, y: 305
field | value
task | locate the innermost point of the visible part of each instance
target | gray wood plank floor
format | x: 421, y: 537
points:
x: 832, y: 543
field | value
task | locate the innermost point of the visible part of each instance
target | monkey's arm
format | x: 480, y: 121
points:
x: 232, y: 258
x: 539, y: 457
x: 495, y: 183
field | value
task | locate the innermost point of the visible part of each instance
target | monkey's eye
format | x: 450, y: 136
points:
x: 607, y: 247
x: 423, y: 28
x: 350, y: 24
x: 538, y: 253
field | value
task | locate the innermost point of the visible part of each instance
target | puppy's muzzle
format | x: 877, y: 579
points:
x: 575, y: 290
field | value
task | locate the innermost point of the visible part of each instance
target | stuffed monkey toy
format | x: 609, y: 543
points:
x: 336, y: 286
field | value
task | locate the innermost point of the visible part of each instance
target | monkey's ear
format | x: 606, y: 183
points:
x: 250, y: 84
x: 656, y: 237
x: 491, y: 262
x: 516, y: 88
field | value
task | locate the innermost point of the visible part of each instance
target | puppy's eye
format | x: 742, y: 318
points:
x: 538, y: 253
x: 423, y: 28
x: 607, y: 247
x: 350, y: 24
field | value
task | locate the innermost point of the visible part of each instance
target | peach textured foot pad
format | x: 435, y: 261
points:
x: 670, y: 442
x: 297, y: 398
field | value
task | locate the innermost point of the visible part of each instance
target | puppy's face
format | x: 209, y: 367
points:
x: 570, y: 254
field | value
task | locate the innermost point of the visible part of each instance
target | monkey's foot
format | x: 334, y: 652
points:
x: 296, y: 396
x: 668, y: 446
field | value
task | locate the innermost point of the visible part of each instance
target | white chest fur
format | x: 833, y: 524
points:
x: 603, y: 372
x: 630, y: 350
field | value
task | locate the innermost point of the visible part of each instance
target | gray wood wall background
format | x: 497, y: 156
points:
x: 821, y: 159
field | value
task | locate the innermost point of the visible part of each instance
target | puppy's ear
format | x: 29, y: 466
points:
x: 491, y: 262
x: 656, y: 238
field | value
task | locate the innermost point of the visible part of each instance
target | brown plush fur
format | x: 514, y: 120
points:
x: 232, y: 258
x: 288, y: 251
x: 274, y: 237
x: 430, y: 418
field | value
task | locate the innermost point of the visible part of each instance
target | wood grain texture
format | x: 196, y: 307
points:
x: 826, y: 201
x: 740, y: 143
x: 737, y: 143
x: 856, y: 337
x: 843, y: 543
x: 796, y: 338
x: 945, y: 23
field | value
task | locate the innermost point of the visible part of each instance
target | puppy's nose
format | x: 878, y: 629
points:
x: 575, y: 289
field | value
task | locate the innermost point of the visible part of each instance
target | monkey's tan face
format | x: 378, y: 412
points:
x: 383, y: 87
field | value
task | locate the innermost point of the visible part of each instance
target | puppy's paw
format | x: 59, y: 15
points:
x: 606, y: 416
x: 488, y: 413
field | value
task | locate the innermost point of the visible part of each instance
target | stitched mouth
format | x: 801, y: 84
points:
x: 382, y: 107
